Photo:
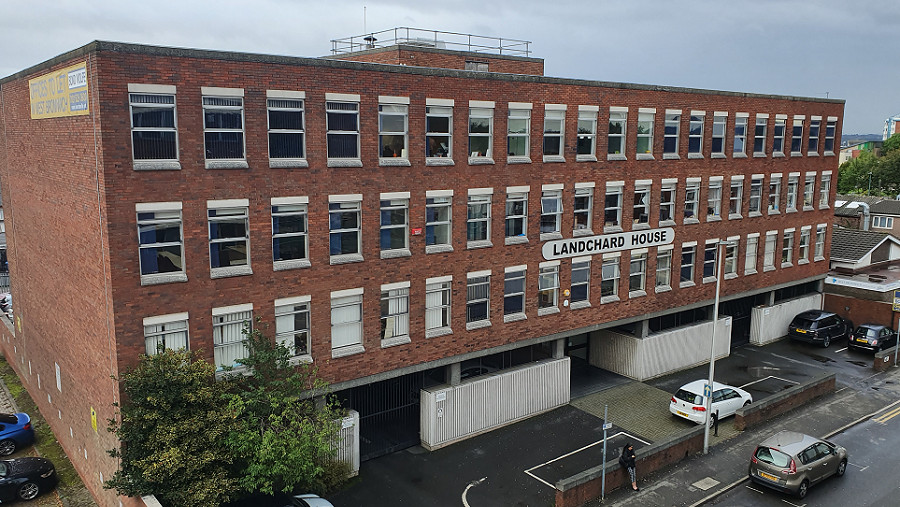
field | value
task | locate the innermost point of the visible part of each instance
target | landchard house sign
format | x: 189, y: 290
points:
x: 606, y: 243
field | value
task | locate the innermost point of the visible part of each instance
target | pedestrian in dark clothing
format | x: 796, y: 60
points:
x: 626, y: 460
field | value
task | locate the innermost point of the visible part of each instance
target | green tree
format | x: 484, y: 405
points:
x: 284, y: 438
x: 854, y: 174
x: 888, y: 173
x: 172, y: 432
x: 891, y: 144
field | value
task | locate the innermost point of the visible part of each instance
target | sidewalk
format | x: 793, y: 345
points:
x: 699, y: 478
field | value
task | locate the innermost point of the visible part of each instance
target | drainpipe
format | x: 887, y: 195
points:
x: 865, y: 220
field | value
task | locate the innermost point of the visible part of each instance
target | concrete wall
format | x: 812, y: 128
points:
x: 660, y: 353
x: 769, y: 323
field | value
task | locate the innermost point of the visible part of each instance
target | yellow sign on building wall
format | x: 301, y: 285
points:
x: 60, y: 93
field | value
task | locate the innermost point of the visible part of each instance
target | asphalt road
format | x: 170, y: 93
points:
x: 872, y: 478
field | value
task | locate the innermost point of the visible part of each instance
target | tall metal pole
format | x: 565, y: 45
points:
x: 603, y: 474
x: 712, y: 348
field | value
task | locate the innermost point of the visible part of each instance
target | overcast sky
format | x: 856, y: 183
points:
x: 813, y: 48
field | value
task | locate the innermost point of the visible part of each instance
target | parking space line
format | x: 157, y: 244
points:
x: 791, y: 503
x: 754, y: 489
x: 767, y: 378
x: 841, y: 350
x: 528, y: 471
x: 791, y: 359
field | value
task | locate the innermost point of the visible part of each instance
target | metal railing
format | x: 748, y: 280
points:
x: 431, y: 39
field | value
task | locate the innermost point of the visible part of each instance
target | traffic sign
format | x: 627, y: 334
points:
x: 607, y: 426
x: 706, y: 390
x: 896, y: 301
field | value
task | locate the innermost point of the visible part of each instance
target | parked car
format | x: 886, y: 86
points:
x: 309, y: 500
x: 792, y: 462
x: 873, y: 337
x: 689, y: 402
x: 818, y: 326
x: 26, y: 478
x: 15, y: 432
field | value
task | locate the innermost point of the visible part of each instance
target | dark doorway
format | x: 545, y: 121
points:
x: 740, y: 311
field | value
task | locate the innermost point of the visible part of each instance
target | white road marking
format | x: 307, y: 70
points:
x: 841, y: 350
x: 754, y: 489
x: 465, y: 491
x: 791, y: 359
x: 767, y: 378
x: 528, y: 471
x: 791, y: 503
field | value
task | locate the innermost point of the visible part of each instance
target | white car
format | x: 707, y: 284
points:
x: 690, y: 403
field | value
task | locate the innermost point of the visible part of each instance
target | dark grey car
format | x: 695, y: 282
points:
x: 819, y: 327
x: 873, y: 337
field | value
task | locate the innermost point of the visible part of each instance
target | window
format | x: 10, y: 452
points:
x: 641, y: 214
x: 735, y: 198
x: 638, y: 273
x: 778, y: 135
x: 617, y: 118
x: 478, y: 292
x: 292, y: 324
x: 154, y: 134
x: 820, y: 242
x: 793, y: 182
x: 516, y: 214
x: 830, y: 127
x: 346, y: 322
x: 344, y: 225
x: 695, y: 135
x: 687, y: 264
x: 804, y: 245
x: 165, y: 332
x: 393, y: 128
x: 646, y: 117
x: 161, y: 242
x: 730, y: 261
x: 586, y: 145
x: 223, y: 127
x: 755, y: 194
x: 774, y: 193
x: 584, y: 205
x: 438, y: 131
x: 612, y: 213
x: 518, y: 131
x: 514, y: 292
x: 287, y: 140
x: 787, y: 247
x: 289, y: 232
x: 478, y: 219
x: 824, y: 189
x: 394, y: 314
x: 759, y: 134
x: 883, y: 222
x: 663, y: 269
x: 342, y: 123
x: 814, y: 125
x: 709, y: 260
x: 481, y: 123
x: 229, y: 240
x: 438, y: 220
x: 750, y: 254
x: 609, y: 282
x: 551, y: 211
x: 554, y: 123
x: 718, y: 134
x: 394, y: 223
x: 740, y: 135
x: 672, y: 127
x: 437, y: 307
x: 769, y: 253
x: 548, y: 287
x: 667, y: 202
x: 230, y: 325
x: 797, y: 135
x: 714, y: 199
x: 691, y: 199
x: 581, y: 281
x: 809, y: 188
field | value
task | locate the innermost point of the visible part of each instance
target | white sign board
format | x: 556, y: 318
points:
x: 606, y: 243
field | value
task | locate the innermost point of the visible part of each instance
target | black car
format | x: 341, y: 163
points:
x: 26, y: 478
x: 820, y: 327
x: 873, y: 337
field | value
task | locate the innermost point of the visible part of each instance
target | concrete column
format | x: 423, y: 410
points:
x: 770, y: 300
x: 453, y: 374
x: 558, y: 348
x: 642, y: 329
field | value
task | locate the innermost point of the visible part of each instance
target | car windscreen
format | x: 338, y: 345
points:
x: 804, y: 323
x: 867, y: 332
x: 772, y: 456
x: 689, y: 397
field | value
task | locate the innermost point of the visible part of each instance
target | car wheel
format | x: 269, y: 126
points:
x: 803, y: 489
x: 28, y: 491
x: 842, y: 467
x: 826, y: 342
x: 747, y: 402
x: 7, y: 447
x: 712, y: 419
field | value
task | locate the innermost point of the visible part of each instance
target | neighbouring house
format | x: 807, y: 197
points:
x: 854, y: 150
x: 854, y: 211
x: 891, y: 126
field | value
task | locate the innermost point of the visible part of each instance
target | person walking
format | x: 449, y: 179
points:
x: 626, y: 460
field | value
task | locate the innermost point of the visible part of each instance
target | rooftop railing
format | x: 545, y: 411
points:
x: 431, y: 39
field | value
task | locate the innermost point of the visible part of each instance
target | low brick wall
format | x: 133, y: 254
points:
x: 789, y: 399
x: 884, y: 359
x: 585, y: 487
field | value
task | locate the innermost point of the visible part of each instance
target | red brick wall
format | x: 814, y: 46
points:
x: 446, y: 60
x: 861, y: 311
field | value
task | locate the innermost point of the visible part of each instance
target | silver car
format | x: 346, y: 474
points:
x: 792, y: 462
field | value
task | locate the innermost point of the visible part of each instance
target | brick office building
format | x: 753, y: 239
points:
x: 401, y: 226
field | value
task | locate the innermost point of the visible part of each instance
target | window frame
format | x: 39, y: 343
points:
x: 754, y: 207
x: 434, y: 111
x: 610, y: 274
x: 787, y: 248
x: 714, y: 200
x: 815, y: 124
x: 584, y: 194
x: 392, y: 319
x: 778, y: 132
x: 882, y: 222
x: 696, y: 134
x: 830, y: 130
x: 616, y: 135
x: 481, y: 113
x: 390, y: 203
x: 617, y: 191
x: 663, y: 279
x: 750, y: 260
x: 773, y: 205
x: 518, y: 113
x: 333, y: 134
x: 155, y: 209
x: 438, y: 202
x: 346, y: 299
x: 227, y: 317
x: 287, y: 104
x: 554, y: 115
x: 710, y: 253
x: 512, y: 198
x: 157, y: 92
x: 672, y: 133
x: 637, y: 273
x: 719, y: 134
x: 340, y: 205
x: 641, y: 208
x: 803, y: 245
x: 760, y: 133
x: 587, y: 115
x: 692, y: 201
x: 386, y: 110
x: 444, y: 287
x: 155, y: 328
x: 792, y: 189
x: 477, y: 200
x: 581, y: 283
x: 555, y: 216
x: 825, y: 190
x: 294, y: 306
x: 797, y: 135
x: 809, y: 191
x: 240, y: 211
x: 769, y: 250
x: 293, y: 207
x: 688, y: 263
x: 735, y: 198
x: 644, y: 133
x: 739, y: 141
x: 548, y: 288
x: 514, y: 288
x: 821, y: 230
x: 224, y: 105
x: 474, y: 281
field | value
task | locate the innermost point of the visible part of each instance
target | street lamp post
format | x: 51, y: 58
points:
x: 712, y: 344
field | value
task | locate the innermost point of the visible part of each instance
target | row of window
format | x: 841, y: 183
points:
x: 161, y: 241
x: 292, y: 315
x: 154, y: 131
